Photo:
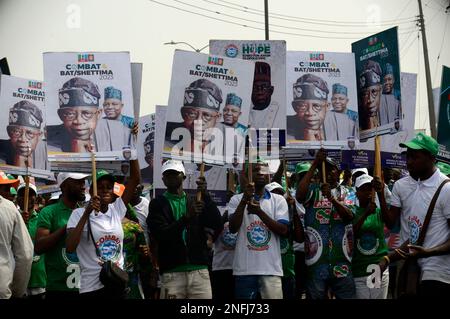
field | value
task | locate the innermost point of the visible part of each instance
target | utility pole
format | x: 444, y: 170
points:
x: 431, y: 115
x: 266, y: 18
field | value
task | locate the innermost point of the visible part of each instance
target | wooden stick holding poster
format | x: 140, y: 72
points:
x: 27, y: 184
x: 202, y: 174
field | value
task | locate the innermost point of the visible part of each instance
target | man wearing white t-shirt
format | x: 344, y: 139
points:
x: 411, y: 197
x: 259, y: 218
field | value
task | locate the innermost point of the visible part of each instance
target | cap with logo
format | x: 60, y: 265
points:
x: 173, y: 165
x: 302, y: 167
x: 363, y: 170
x: 422, y: 142
x: 362, y: 180
x: 101, y: 173
x: 4, y: 179
x: 203, y: 93
x: 30, y: 185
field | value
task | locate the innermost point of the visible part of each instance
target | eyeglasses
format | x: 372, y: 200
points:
x: 261, y: 87
x: 193, y: 115
x: 71, y: 115
x: 18, y: 132
x: 304, y: 106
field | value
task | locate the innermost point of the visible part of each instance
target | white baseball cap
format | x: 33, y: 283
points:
x: 173, y: 165
x: 63, y: 176
x: 55, y: 195
x: 274, y: 185
x: 363, y: 179
x: 364, y: 170
x: 30, y: 185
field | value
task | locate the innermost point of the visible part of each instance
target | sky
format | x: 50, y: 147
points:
x: 29, y: 28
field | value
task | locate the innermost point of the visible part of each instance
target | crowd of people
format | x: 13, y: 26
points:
x: 305, y: 233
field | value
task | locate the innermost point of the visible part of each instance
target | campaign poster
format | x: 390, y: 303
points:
x: 378, y: 83
x: 391, y: 152
x: 215, y: 175
x: 443, y: 134
x: 89, y: 104
x: 208, y: 109
x: 268, y: 111
x: 145, y: 147
x: 322, y: 100
x: 22, y: 127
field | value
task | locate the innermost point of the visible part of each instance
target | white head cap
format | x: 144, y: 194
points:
x: 173, y: 165
x: 274, y: 185
x: 63, y: 176
x: 364, y: 170
x: 363, y: 179
x: 31, y: 186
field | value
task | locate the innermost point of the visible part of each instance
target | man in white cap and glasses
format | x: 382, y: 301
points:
x: 63, y: 271
x: 177, y: 223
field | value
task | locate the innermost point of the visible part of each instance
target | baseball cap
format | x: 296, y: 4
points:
x: 363, y: 179
x: 101, y: 173
x: 55, y: 195
x: 119, y: 189
x: 274, y: 185
x: 422, y: 142
x: 173, y: 165
x: 30, y: 185
x: 63, y: 176
x: 364, y: 170
x: 443, y: 167
x: 302, y: 167
x: 4, y: 179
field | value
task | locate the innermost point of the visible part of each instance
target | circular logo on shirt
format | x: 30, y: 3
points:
x: 284, y: 245
x: 109, y: 247
x: 414, y: 228
x: 258, y: 236
x: 313, y: 246
x: 231, y: 51
x: 69, y: 258
x: 347, y: 242
x: 341, y: 271
x: 228, y: 239
x: 368, y: 243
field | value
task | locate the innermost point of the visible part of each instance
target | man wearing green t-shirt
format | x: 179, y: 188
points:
x: 371, y: 247
x: 328, y: 232
x: 38, y: 278
x: 63, y: 271
x: 177, y: 223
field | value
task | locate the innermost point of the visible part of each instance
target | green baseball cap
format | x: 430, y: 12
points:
x: 12, y: 191
x: 443, y: 167
x: 422, y: 142
x: 101, y: 173
x: 302, y: 167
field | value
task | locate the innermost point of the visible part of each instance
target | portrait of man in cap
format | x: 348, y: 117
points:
x: 377, y: 110
x: 232, y: 112
x: 264, y: 111
x: 390, y: 104
x: 115, y: 124
x: 202, y: 100
x: 79, y: 111
x: 340, y: 122
x: 25, y: 131
x: 149, y: 146
x: 310, y: 94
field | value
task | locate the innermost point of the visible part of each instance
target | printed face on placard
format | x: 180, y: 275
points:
x: 80, y: 122
x: 311, y: 113
x: 23, y: 139
x: 112, y: 108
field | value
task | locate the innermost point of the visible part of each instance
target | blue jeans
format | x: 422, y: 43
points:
x: 247, y: 287
x: 343, y: 288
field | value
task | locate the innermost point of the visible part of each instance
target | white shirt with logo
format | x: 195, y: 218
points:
x: 257, y: 249
x: 414, y: 197
x: 108, y: 235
